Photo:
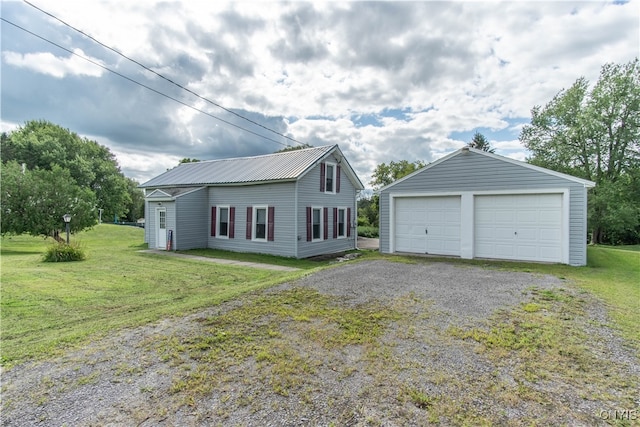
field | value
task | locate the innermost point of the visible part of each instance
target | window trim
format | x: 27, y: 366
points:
x: 321, y: 231
x: 334, y: 168
x: 345, y: 223
x: 219, y: 217
x: 254, y: 226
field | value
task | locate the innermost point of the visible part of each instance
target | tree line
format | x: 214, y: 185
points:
x: 48, y: 171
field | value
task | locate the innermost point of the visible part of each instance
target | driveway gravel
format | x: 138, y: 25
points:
x: 420, y: 374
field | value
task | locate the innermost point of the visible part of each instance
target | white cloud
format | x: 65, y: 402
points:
x: 59, y: 67
x: 453, y: 67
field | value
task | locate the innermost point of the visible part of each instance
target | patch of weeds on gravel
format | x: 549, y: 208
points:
x: 281, y: 337
x: 543, y: 355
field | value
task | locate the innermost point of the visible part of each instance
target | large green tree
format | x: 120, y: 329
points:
x: 594, y: 133
x: 135, y: 209
x: 43, y: 145
x: 384, y: 174
x: 34, y: 201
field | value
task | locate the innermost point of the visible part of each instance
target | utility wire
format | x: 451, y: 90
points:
x: 140, y: 84
x: 160, y: 75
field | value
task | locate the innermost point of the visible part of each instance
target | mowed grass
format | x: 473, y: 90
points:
x: 614, y: 276
x: 48, y: 306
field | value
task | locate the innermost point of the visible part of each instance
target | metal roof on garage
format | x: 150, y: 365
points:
x: 283, y: 166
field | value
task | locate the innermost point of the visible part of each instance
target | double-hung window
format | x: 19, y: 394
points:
x: 261, y: 223
x: 330, y: 178
x: 342, y: 222
x: 223, y: 221
x: 260, y: 231
x: 316, y: 223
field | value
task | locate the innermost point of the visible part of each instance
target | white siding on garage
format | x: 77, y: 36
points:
x: 523, y: 227
x: 428, y: 225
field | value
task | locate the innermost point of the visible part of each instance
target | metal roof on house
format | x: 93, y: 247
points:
x: 284, y: 166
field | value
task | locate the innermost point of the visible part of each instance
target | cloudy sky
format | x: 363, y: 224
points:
x: 384, y: 80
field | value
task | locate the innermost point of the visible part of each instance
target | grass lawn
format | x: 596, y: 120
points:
x: 46, y: 306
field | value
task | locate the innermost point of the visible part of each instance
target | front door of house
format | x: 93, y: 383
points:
x: 161, y: 228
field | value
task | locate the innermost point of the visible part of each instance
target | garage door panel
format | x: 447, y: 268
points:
x: 527, y: 251
x: 483, y: 232
x: 501, y: 233
x: 550, y: 235
x: 550, y: 216
x: 428, y: 225
x: 524, y: 233
x: 524, y: 227
x: 503, y: 251
x: 528, y: 216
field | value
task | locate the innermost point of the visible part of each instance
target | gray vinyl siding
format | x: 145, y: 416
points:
x: 191, y: 228
x: 476, y: 172
x: 309, y: 195
x: 150, y: 221
x: 279, y: 195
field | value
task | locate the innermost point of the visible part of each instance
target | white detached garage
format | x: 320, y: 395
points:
x: 475, y: 204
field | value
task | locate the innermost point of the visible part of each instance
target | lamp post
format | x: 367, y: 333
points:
x: 67, y: 220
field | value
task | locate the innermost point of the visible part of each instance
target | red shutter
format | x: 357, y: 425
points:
x: 326, y: 223
x: 232, y: 222
x: 335, y: 223
x: 348, y: 224
x: 338, y: 179
x: 323, y: 173
x: 270, y: 224
x: 213, y: 221
x: 249, y: 219
x: 309, y: 225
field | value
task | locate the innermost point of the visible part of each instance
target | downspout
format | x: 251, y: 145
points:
x: 355, y: 219
x: 295, y: 219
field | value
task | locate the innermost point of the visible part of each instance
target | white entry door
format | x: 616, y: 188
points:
x: 519, y: 226
x: 161, y: 228
x: 428, y: 225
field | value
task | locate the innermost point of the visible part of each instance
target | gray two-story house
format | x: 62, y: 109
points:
x: 298, y: 203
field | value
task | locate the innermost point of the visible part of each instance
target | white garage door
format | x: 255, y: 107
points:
x: 428, y: 225
x: 522, y: 227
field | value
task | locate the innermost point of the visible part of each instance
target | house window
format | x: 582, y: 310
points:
x: 330, y: 178
x: 162, y: 215
x: 342, y: 219
x: 316, y: 224
x: 223, y: 222
x: 260, y: 223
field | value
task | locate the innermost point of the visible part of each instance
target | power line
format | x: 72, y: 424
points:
x: 142, y: 84
x: 160, y: 75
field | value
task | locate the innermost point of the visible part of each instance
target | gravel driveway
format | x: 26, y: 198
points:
x: 417, y: 373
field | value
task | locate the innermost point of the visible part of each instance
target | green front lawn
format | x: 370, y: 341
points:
x: 46, y: 306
